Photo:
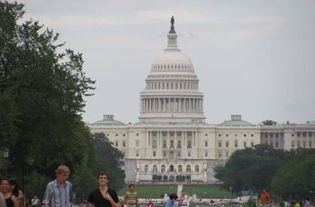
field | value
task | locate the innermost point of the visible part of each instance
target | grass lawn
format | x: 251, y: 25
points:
x: 156, y: 191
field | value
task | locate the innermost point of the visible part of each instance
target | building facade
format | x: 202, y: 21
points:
x: 172, y: 142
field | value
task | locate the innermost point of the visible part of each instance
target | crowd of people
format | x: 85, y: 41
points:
x: 58, y: 194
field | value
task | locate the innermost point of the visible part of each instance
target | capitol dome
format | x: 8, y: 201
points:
x: 171, y: 93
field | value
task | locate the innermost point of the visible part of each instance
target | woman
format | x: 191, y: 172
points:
x: 5, y: 189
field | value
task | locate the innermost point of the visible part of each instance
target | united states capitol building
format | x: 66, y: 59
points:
x: 172, y: 141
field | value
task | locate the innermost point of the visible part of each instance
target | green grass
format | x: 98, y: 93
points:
x: 156, y: 191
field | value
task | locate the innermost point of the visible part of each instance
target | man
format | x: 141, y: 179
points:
x: 57, y: 193
x: 103, y: 196
x: 171, y: 202
x: 131, y: 196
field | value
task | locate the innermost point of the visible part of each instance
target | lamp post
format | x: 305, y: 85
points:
x: 6, y: 157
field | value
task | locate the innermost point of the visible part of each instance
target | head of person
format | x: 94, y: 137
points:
x: 173, y: 197
x: 5, y: 185
x: 132, y: 188
x: 62, y: 173
x: 102, y: 179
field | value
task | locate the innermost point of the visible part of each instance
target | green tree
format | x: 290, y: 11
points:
x: 296, y: 179
x: 251, y: 168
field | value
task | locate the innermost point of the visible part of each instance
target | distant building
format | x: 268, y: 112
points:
x: 172, y: 142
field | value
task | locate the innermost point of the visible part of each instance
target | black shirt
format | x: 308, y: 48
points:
x: 98, y: 200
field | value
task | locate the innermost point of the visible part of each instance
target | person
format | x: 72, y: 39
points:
x: 297, y: 204
x: 131, y: 196
x: 150, y: 203
x: 2, y: 201
x: 264, y: 198
x: 103, y: 196
x: 307, y: 203
x: 171, y: 202
x: 5, y: 189
x: 35, y: 202
x: 58, y: 191
x: 17, y: 193
x: 183, y: 200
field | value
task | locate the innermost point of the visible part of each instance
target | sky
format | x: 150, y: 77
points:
x: 252, y: 57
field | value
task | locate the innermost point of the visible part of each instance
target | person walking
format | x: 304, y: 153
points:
x: 58, y: 191
x: 103, y: 196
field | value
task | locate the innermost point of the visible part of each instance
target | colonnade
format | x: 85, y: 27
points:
x: 185, y: 105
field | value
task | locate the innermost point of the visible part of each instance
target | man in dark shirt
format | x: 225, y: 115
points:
x: 103, y: 196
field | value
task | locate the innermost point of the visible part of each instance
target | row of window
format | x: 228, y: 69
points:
x: 235, y: 135
x: 301, y: 144
x: 235, y: 143
x: 173, y: 85
x: 171, y: 168
x: 173, y: 67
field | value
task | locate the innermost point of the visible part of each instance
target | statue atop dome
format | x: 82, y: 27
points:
x: 172, y: 25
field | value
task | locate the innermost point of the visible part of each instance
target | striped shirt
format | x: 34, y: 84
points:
x: 57, y: 195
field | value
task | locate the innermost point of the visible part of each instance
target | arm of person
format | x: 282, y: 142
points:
x: 15, y: 201
x: 113, y: 201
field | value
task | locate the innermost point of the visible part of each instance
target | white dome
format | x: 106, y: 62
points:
x: 172, y: 57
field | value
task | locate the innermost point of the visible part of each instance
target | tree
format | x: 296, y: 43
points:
x: 251, y: 168
x: 296, y: 179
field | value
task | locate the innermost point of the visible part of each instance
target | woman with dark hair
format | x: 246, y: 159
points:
x: 5, y: 189
x: 16, y: 192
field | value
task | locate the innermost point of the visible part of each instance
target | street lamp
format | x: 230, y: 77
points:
x: 6, y: 157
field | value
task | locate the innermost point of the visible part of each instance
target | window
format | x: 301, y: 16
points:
x: 164, y: 143
x: 219, y: 144
x: 219, y: 135
x: 292, y: 144
x: 298, y: 143
x: 155, y: 168
x: 180, y: 168
x: 206, y: 134
x: 137, y: 143
x: 188, y: 169
x: 179, y: 144
x: 206, y: 143
x: 164, y: 154
x: 235, y: 143
x: 227, y: 135
x: 304, y: 134
x: 163, y: 168
x: 137, y: 153
x: 189, y: 144
x: 196, y: 168
x: 137, y: 134
x: 245, y: 144
x: 298, y: 134
x: 124, y: 144
x: 226, y: 144
x: 189, y: 154
x: 116, y: 135
x: 227, y: 153
x: 310, y: 134
x: 252, y: 135
x: 206, y: 154
x: 154, y: 143
x: 220, y: 154
x: 178, y: 153
x: 172, y: 144
x: 245, y: 135
x: 124, y: 135
x: 292, y: 135
x: 146, y: 168
x: 154, y: 153
x: 171, y: 168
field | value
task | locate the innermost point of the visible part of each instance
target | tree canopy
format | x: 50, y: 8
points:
x: 42, y: 91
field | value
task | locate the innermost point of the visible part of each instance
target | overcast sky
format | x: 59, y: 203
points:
x: 252, y: 57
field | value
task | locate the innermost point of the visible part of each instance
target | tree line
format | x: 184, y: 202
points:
x: 42, y: 91
x: 286, y: 174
